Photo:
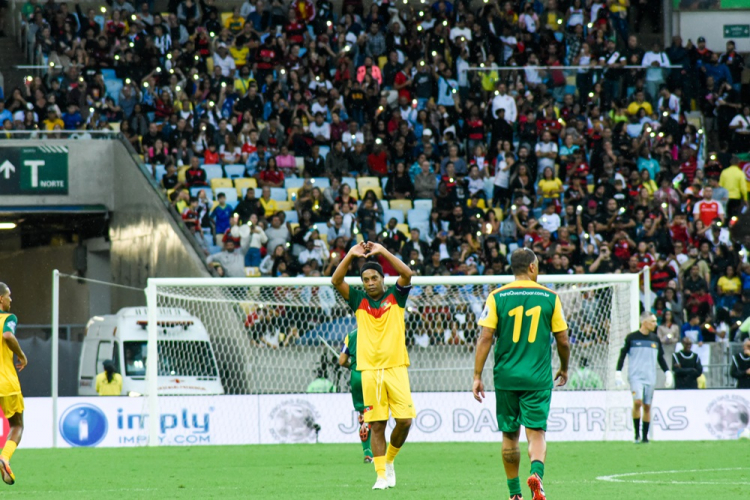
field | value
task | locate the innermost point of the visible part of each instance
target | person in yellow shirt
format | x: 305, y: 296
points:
x: 733, y: 179
x: 11, y: 399
x: 109, y: 382
x: 640, y: 102
x: 550, y: 187
x: 268, y: 203
x: 381, y: 351
x: 53, y: 121
x: 239, y: 53
x: 235, y: 22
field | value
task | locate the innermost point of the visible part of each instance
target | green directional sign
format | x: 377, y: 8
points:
x: 34, y: 170
x: 737, y: 31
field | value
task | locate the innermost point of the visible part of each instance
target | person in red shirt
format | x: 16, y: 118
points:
x: 295, y: 30
x: 644, y: 257
x: 272, y: 176
x: 377, y: 161
x: 708, y: 209
x: 195, y: 175
x: 402, y: 81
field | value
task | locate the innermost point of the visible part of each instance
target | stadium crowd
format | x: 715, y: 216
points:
x: 284, y: 132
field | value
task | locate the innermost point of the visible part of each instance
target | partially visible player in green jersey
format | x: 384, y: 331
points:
x: 521, y: 318
x: 348, y: 357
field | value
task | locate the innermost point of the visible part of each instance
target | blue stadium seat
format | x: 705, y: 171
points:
x: 320, y: 182
x: 383, y: 182
x: 159, y: 172
x: 230, y: 193
x: 291, y: 216
x: 278, y: 194
x: 293, y: 182
x: 423, y: 204
x: 351, y: 181
x: 393, y: 214
x: 322, y: 227
x: 196, y: 189
x: 258, y: 192
x: 213, y: 171
x: 417, y: 216
x: 234, y: 171
x: 108, y: 74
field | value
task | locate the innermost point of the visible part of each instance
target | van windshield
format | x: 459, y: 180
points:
x: 184, y: 358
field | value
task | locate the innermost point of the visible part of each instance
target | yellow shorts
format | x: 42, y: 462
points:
x: 387, y: 389
x: 11, y: 404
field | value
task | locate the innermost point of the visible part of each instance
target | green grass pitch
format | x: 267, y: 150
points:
x: 699, y: 470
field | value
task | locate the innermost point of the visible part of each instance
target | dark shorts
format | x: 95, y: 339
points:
x: 527, y: 408
x: 357, y: 397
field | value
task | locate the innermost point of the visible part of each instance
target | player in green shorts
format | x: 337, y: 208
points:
x: 348, y: 357
x: 521, y: 318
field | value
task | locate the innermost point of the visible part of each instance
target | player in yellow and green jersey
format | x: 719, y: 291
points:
x: 381, y: 351
x: 348, y: 357
x: 11, y: 399
x: 521, y: 317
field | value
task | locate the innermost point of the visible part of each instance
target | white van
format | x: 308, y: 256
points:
x: 187, y: 365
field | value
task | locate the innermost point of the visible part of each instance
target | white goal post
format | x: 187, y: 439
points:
x: 601, y: 311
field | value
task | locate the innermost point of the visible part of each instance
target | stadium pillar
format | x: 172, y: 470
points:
x: 55, y: 349
x: 152, y: 364
x: 667, y: 21
x: 647, y: 288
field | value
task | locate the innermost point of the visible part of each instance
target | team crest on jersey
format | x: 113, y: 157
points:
x: 485, y: 313
x: 367, y: 408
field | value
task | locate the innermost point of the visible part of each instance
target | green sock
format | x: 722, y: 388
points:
x: 514, y: 485
x: 538, y: 468
x: 366, y: 446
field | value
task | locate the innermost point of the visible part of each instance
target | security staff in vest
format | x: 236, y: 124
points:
x: 686, y: 366
x: 109, y: 382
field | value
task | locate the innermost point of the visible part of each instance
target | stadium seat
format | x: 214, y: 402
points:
x: 367, y: 182
x: 291, y: 216
x: 278, y: 194
x: 284, y: 205
x: 293, y: 227
x: 299, y: 162
x: 383, y: 183
x: 234, y: 171
x: 197, y: 189
x: 159, y: 172
x: 404, y: 228
x: 230, y: 193
x: 423, y: 204
x: 322, y: 227
x: 416, y: 216
x: 375, y: 189
x: 393, y: 214
x: 480, y: 204
x: 221, y: 182
x: 213, y: 171
x: 351, y: 181
x: 245, y: 182
x: 181, y: 173
x: 243, y: 191
x: 384, y: 204
x: 403, y: 205
x: 291, y: 194
x: 320, y: 182
x: 499, y: 213
x: 294, y: 182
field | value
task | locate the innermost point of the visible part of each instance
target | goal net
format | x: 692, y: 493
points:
x: 278, y: 336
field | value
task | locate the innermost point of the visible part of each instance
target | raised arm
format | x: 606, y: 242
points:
x: 337, y: 280
x: 401, y: 268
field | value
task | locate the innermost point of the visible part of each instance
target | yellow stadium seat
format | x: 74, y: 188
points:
x: 360, y: 238
x: 590, y: 188
x: 181, y: 173
x: 292, y: 194
x: 365, y: 182
x: 403, y: 205
x: 224, y: 17
x: 252, y: 272
x: 375, y: 189
x: 481, y: 204
x: 245, y: 182
x: 221, y: 182
x: 210, y: 65
x: 404, y: 228
x: 324, y: 237
x: 498, y: 213
x: 283, y: 206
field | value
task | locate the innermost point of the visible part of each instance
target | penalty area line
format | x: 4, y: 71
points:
x: 621, y: 478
